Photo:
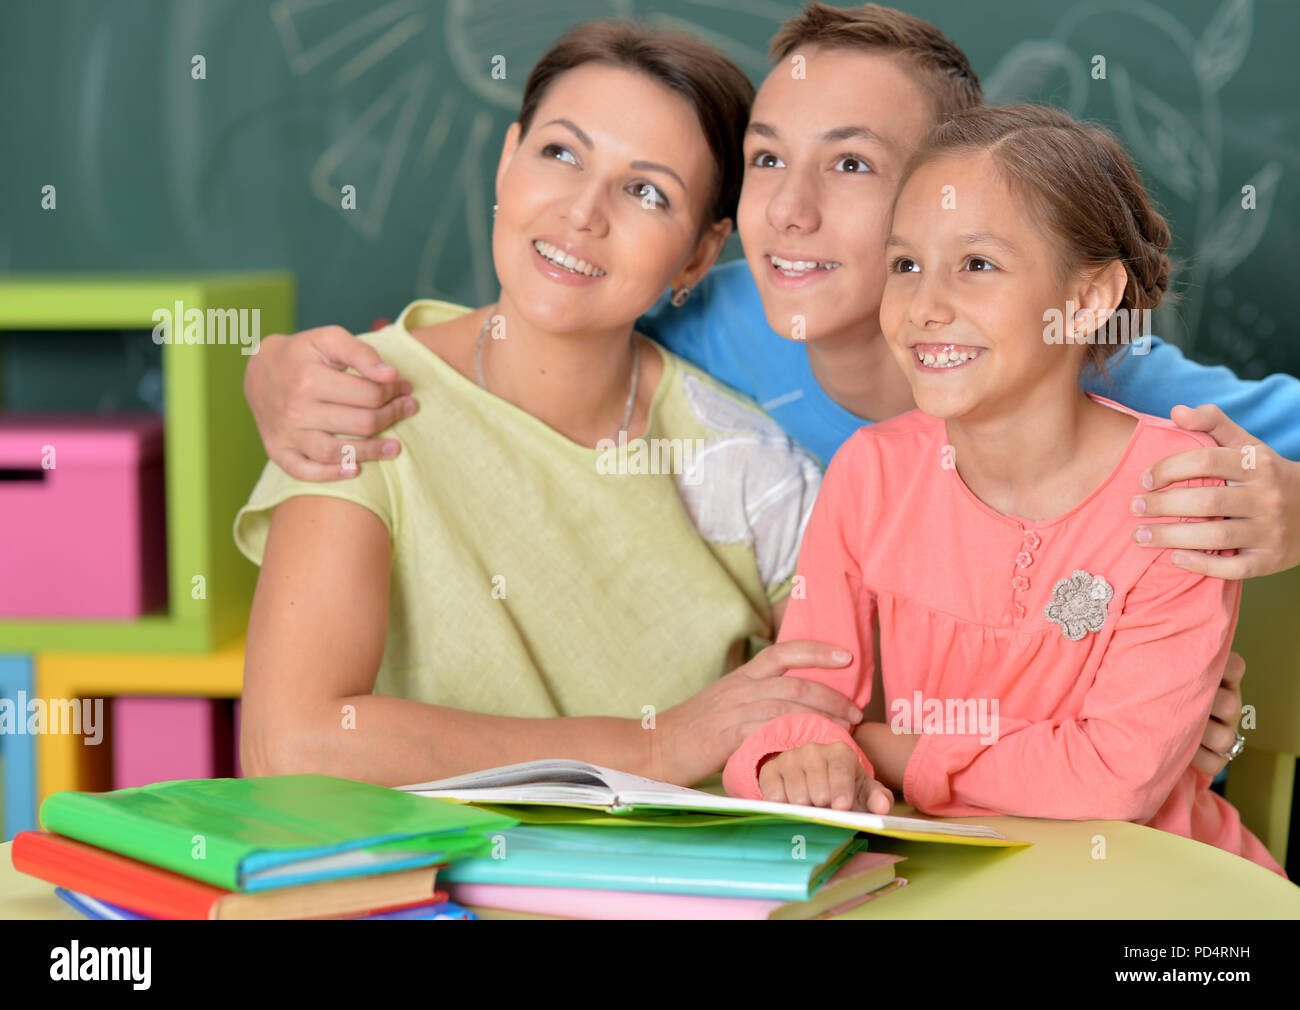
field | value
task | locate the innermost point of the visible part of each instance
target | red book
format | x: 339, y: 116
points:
x: 153, y: 891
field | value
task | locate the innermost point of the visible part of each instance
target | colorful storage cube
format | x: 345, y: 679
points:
x: 17, y: 750
x: 83, y: 525
x: 159, y: 739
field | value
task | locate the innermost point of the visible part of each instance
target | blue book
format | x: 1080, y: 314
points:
x: 786, y: 861
x: 93, y: 908
x: 433, y: 910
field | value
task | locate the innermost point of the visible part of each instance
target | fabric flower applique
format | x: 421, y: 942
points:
x: 1079, y: 604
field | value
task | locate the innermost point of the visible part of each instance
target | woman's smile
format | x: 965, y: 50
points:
x: 556, y: 262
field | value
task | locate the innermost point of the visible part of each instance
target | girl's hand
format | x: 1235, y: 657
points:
x: 823, y: 775
x: 693, y: 740
x: 1261, y: 503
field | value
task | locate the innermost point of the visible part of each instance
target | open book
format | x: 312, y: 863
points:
x: 566, y: 783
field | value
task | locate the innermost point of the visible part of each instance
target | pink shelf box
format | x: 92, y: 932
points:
x: 160, y: 739
x: 239, y: 769
x: 82, y: 516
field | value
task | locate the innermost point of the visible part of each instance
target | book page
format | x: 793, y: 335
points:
x: 546, y: 781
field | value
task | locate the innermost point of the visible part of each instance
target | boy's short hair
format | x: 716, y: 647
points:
x: 938, y: 64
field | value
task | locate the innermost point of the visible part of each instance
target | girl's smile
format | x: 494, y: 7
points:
x: 944, y: 357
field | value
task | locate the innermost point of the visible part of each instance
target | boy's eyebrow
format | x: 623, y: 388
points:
x: 854, y: 131
x: 648, y: 166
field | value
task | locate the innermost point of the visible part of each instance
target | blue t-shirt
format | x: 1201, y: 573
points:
x: 723, y: 330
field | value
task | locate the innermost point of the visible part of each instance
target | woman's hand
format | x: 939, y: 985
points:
x: 300, y: 395
x: 1261, y: 503
x: 693, y: 740
x: 1225, y: 715
x: 823, y: 775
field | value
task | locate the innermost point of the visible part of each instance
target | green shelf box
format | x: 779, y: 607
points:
x: 212, y: 453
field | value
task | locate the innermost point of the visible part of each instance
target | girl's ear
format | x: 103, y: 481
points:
x: 508, y: 149
x: 707, y: 251
x: 1098, y: 295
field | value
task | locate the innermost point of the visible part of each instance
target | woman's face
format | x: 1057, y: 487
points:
x: 614, y: 176
x: 969, y: 273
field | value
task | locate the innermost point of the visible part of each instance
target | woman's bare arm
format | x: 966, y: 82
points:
x: 315, y: 640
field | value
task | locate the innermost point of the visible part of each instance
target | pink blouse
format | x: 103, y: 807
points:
x: 1054, y: 667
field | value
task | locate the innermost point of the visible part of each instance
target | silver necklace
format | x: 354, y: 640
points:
x: 631, y: 393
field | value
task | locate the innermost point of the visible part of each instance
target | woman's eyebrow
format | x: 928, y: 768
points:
x: 645, y: 166
x: 586, y: 141
x: 653, y: 166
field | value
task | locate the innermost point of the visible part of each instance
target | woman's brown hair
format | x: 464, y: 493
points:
x: 717, y: 89
x: 1080, y: 183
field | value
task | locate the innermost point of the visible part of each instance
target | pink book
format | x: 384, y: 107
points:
x: 158, y: 739
x: 583, y: 903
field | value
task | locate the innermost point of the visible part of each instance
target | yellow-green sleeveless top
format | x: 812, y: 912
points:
x: 536, y: 577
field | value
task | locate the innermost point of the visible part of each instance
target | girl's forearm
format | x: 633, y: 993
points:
x: 394, y: 741
x: 887, y: 751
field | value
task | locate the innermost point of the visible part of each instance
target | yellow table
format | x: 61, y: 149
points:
x: 1146, y: 874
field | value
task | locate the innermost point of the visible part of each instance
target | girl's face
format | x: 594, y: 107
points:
x: 614, y: 178
x: 970, y: 274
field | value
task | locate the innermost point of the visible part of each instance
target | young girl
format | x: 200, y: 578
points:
x: 1035, y: 660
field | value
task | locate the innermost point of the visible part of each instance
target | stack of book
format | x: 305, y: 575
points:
x: 278, y: 847
x: 605, y: 844
x: 766, y: 870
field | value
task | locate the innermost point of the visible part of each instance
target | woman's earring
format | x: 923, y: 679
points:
x: 494, y: 210
x: 679, y: 297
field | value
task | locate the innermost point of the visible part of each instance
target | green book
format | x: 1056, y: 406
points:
x: 252, y: 834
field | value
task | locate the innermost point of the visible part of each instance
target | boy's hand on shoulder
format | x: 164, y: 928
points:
x: 1260, y: 502
x: 823, y: 775
x: 302, y: 396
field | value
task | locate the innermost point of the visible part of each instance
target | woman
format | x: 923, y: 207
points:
x: 514, y: 588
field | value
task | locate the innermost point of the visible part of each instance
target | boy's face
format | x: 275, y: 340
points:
x: 823, y: 155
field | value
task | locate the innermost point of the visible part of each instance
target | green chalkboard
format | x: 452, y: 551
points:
x: 243, y: 169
